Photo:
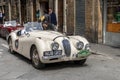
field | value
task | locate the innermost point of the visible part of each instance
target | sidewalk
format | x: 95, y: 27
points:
x: 104, y: 49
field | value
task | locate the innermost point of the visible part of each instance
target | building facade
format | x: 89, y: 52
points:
x: 97, y: 20
x: 2, y: 5
x: 103, y: 21
x: 111, y: 22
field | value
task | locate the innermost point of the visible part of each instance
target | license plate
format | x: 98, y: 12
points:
x: 53, y: 53
x: 57, y: 52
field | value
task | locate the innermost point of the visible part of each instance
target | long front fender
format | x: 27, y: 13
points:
x: 42, y: 46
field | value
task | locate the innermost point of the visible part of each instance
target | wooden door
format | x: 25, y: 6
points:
x: 60, y: 15
x: 23, y: 11
x: 34, y: 10
x: 80, y: 17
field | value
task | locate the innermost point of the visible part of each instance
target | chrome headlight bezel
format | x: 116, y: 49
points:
x: 54, y: 46
x: 79, y: 45
x: 87, y: 47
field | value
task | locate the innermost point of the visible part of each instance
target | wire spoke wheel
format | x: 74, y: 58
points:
x: 35, y: 59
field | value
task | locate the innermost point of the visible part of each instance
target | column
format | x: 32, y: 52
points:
x: 9, y: 6
x: 31, y: 5
x: 104, y: 20
x: 65, y: 17
x: 19, y: 7
x: 56, y: 10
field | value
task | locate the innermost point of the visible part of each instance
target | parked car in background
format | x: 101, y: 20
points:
x: 8, y: 27
x: 46, y: 46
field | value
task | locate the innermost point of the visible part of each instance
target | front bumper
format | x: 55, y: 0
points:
x: 52, y: 57
x: 82, y: 54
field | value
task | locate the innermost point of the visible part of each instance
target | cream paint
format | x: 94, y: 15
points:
x: 42, y: 40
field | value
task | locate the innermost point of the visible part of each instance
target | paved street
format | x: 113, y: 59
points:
x: 104, y: 64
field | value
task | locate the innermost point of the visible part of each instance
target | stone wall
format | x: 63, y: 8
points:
x: 93, y: 13
x: 70, y: 17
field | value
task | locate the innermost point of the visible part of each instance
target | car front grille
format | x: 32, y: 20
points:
x: 67, y: 47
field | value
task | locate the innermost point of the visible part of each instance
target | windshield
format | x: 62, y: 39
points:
x: 10, y: 23
x: 31, y: 26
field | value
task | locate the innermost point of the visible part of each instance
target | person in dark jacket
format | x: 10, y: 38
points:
x: 45, y: 21
x: 52, y: 18
x: 1, y: 17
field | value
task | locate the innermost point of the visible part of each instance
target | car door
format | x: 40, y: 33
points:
x: 25, y: 43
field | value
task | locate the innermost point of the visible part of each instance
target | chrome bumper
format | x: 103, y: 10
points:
x: 52, y: 57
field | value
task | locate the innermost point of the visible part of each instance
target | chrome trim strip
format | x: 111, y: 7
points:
x: 51, y: 57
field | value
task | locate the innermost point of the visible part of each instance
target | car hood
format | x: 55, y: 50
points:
x: 45, y: 34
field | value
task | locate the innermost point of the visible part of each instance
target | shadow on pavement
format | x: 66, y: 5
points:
x: 61, y: 65
x: 20, y: 57
x: 51, y: 66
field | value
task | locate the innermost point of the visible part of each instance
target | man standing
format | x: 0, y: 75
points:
x: 1, y: 17
x: 52, y: 19
x: 37, y: 14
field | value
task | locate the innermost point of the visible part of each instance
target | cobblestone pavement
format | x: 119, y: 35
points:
x: 103, y: 64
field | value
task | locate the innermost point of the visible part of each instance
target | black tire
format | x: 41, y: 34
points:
x: 35, y: 59
x: 10, y: 46
x: 80, y: 62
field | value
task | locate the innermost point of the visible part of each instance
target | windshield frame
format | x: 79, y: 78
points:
x: 33, y: 26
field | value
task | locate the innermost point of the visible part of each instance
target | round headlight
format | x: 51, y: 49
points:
x: 55, y: 46
x: 79, y: 45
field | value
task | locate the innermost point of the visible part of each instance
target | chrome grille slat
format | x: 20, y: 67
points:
x: 67, y: 47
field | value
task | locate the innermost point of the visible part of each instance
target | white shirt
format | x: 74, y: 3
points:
x: 1, y: 14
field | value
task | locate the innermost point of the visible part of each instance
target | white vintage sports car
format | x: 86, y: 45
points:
x: 46, y: 46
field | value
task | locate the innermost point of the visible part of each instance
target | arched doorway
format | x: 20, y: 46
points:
x: 23, y: 11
